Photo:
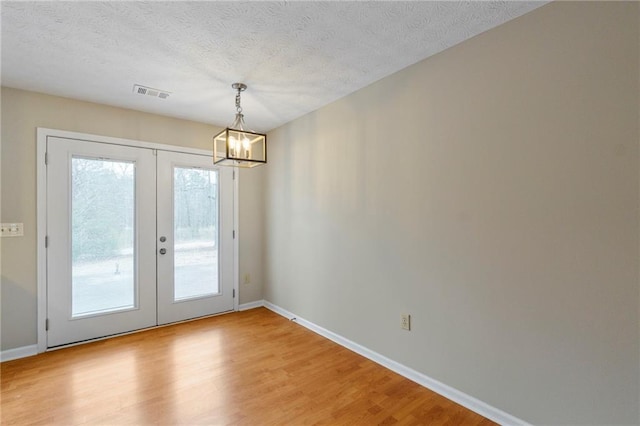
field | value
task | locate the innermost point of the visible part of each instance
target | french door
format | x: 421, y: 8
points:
x: 136, y: 237
x: 193, y: 231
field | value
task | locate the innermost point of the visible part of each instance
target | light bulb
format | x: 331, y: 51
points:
x: 246, y: 145
x: 232, y: 146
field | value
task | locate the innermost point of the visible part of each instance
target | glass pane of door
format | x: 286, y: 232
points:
x: 195, y: 193
x: 102, y: 235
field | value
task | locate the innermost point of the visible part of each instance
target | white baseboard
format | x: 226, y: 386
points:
x: 251, y: 305
x: 17, y: 353
x: 448, y: 392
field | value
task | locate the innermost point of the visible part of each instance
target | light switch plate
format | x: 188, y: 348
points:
x: 12, y: 229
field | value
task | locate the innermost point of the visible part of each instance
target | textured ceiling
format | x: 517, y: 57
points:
x: 294, y: 56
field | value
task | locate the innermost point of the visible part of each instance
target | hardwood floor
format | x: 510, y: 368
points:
x: 246, y: 368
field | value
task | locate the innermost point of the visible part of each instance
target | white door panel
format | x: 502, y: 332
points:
x: 195, y: 220
x: 101, y: 240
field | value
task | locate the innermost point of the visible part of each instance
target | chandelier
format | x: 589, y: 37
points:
x: 237, y: 147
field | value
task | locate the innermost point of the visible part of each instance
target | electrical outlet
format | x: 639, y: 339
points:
x: 405, y: 321
x: 247, y: 279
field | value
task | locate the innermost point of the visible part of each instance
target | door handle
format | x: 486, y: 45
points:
x: 163, y: 250
x: 163, y: 239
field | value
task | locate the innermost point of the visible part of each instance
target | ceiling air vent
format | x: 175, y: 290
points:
x: 148, y: 91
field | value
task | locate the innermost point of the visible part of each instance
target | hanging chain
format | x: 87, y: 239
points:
x: 238, y: 107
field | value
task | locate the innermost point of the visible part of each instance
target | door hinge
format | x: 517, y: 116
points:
x: 234, y: 234
x: 46, y: 324
x: 234, y: 293
x: 234, y: 175
x: 46, y: 241
x: 46, y: 158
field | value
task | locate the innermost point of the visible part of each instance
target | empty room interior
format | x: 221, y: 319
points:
x: 287, y: 213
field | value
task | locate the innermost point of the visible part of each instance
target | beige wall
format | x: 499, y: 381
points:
x: 22, y: 113
x: 491, y: 192
x: 251, y: 236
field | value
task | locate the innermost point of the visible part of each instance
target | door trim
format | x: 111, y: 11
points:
x: 43, y: 134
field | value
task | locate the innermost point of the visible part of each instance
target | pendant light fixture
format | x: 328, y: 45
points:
x: 237, y: 147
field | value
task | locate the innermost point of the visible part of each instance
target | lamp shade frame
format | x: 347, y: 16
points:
x: 229, y: 157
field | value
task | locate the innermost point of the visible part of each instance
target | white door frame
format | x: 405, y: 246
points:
x: 41, y: 212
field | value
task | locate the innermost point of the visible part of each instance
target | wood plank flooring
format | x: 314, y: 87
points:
x: 246, y: 368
